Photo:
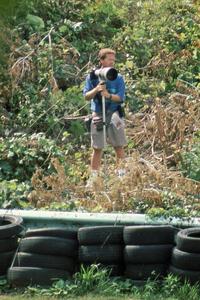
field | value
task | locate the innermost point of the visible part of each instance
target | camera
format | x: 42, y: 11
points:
x: 104, y: 74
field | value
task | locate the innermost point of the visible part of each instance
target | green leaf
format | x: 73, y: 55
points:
x: 36, y: 22
x: 129, y: 64
x: 63, y: 28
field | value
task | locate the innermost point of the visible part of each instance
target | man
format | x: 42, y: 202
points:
x: 114, y: 93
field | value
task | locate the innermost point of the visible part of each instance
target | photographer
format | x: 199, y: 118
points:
x: 114, y: 93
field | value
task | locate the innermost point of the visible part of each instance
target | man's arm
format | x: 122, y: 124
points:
x: 111, y: 97
x: 91, y: 94
x: 120, y: 95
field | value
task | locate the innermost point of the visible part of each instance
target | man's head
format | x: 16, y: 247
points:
x: 107, y: 57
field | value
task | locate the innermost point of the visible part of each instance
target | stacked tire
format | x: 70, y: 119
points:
x: 102, y: 245
x: 10, y: 227
x: 43, y: 256
x: 147, y: 251
x: 185, y: 262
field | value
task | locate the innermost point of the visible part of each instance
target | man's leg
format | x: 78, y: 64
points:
x: 95, y: 166
x: 96, y: 159
x: 120, y: 154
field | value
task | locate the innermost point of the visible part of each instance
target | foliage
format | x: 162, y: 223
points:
x: 96, y: 281
x: 22, y: 154
x: 53, y: 188
x: 168, y: 214
x: 57, y: 189
x: 14, y: 194
x: 160, y: 45
x: 93, y: 278
x: 190, y: 163
x: 86, y: 280
x: 50, y: 46
x: 153, y: 56
x: 173, y: 286
x: 35, y: 22
x: 49, y: 113
x: 4, y: 286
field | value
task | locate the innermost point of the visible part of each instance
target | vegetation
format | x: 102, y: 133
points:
x: 48, y: 48
x: 95, y: 283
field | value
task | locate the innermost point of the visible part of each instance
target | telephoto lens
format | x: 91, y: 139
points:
x: 106, y: 73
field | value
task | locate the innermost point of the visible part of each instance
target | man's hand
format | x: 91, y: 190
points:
x: 101, y: 87
x: 98, y: 89
x: 105, y: 94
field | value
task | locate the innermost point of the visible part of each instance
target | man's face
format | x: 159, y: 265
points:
x: 108, y: 61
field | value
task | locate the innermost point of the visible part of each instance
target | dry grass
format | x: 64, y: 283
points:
x: 159, y: 134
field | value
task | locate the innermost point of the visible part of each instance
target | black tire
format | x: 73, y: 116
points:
x: 24, y: 276
x: 100, y: 235
x: 185, y: 260
x: 114, y: 269
x: 191, y: 276
x: 8, y: 244
x: 66, y: 233
x: 10, y: 226
x: 49, y: 245
x: 188, y: 240
x: 101, y: 254
x: 148, y: 254
x: 44, y: 261
x: 148, y: 235
x: 6, y: 261
x: 143, y: 272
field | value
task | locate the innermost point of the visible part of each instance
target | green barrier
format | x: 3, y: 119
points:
x: 41, y: 218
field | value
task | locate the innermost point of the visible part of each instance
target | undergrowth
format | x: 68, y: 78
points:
x: 96, y: 281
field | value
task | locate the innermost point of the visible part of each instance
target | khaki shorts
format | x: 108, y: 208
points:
x: 115, y: 133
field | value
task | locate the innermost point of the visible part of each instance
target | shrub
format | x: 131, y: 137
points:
x: 190, y: 164
x: 13, y: 194
x: 22, y: 154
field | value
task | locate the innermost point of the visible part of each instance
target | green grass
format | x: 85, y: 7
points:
x: 86, y: 297
x: 94, y: 297
x: 93, y: 283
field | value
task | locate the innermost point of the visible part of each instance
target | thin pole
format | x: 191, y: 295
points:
x: 105, y: 167
x: 104, y: 121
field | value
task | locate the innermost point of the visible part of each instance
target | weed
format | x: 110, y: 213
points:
x: 186, y: 291
x: 95, y: 281
x: 170, y: 285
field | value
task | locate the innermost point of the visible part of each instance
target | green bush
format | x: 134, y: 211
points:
x: 22, y: 154
x: 13, y: 194
x: 160, y: 46
x: 46, y: 113
x: 190, y: 164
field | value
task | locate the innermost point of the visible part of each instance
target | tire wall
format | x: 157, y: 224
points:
x: 138, y: 252
x: 10, y: 229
